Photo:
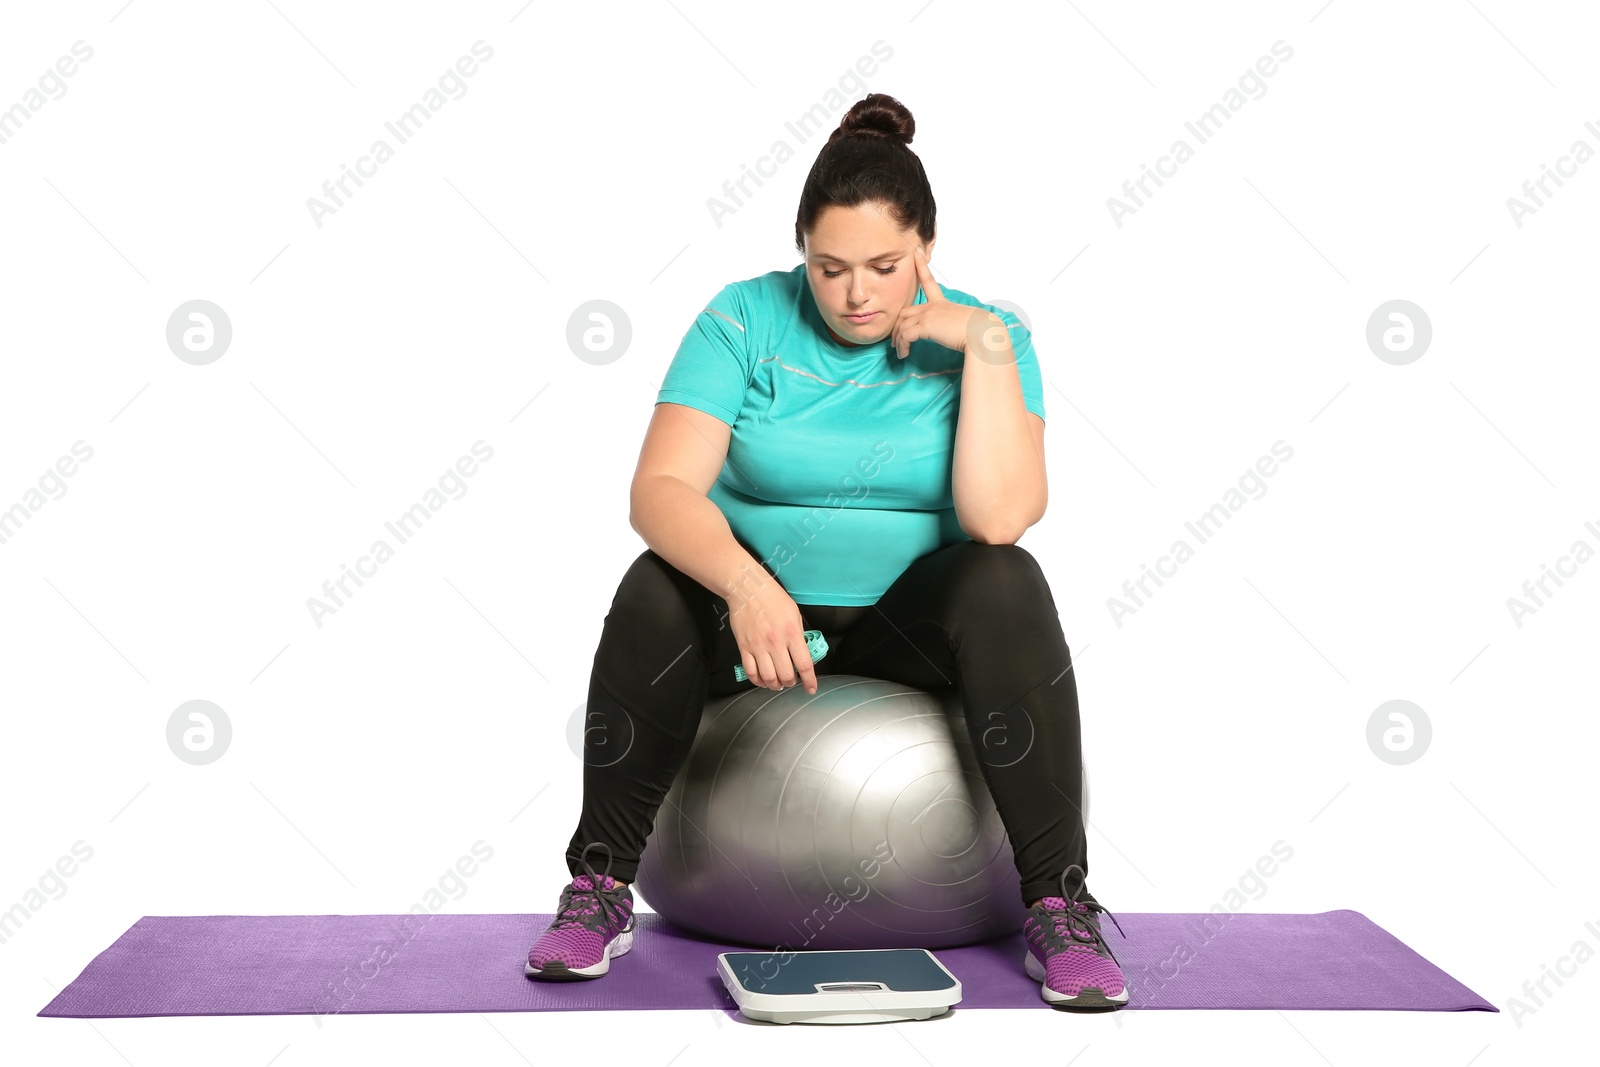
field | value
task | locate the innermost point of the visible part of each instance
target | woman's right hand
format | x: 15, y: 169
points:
x: 771, y: 635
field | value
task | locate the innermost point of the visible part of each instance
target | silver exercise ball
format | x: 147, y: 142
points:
x: 855, y: 818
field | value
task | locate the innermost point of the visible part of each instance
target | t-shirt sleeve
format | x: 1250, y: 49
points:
x: 1027, y: 361
x: 711, y: 369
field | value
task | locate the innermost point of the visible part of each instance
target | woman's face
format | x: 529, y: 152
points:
x: 859, y: 263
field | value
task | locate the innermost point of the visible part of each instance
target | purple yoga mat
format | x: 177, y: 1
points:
x: 363, y: 964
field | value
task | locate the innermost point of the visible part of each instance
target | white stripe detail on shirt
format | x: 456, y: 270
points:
x: 851, y: 381
x: 720, y: 315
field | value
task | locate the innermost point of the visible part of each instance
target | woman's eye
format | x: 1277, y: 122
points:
x: 880, y: 270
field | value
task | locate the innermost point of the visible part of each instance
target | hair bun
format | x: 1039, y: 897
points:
x: 877, y: 114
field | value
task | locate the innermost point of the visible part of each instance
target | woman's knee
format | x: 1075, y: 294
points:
x: 645, y: 592
x: 655, y: 596
x: 1005, y: 576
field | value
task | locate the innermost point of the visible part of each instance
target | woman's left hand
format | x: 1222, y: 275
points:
x: 952, y: 325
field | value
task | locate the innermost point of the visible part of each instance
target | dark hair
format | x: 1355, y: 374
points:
x: 866, y: 161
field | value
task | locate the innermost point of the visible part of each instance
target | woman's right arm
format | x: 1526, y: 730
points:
x: 669, y: 507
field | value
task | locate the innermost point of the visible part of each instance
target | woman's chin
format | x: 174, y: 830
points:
x: 863, y: 333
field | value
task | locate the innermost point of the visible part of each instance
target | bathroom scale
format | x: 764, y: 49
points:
x: 838, y: 986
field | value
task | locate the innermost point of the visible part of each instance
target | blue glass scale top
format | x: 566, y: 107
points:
x: 899, y: 969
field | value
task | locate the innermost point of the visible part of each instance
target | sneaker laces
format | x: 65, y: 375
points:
x: 594, y: 908
x: 1080, y: 922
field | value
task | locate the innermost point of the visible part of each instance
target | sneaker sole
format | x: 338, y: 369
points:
x: 555, y: 970
x: 1089, y: 997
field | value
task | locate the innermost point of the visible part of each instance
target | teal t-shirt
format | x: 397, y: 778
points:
x: 839, y: 459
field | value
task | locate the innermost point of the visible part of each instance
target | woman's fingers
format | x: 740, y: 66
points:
x: 783, y: 667
x: 801, y: 653
x: 769, y: 675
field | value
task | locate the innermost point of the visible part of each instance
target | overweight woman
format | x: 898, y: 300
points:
x: 789, y: 393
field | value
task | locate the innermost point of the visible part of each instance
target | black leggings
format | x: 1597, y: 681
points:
x: 972, y: 616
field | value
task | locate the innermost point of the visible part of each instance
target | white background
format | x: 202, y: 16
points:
x: 431, y: 311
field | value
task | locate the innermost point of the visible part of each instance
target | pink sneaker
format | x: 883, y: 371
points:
x: 1067, y: 954
x: 593, y: 923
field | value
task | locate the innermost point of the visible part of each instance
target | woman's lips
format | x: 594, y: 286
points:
x: 858, y: 319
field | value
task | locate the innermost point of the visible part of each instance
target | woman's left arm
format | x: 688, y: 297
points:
x: 997, y: 477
